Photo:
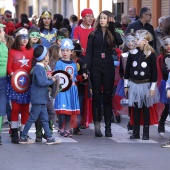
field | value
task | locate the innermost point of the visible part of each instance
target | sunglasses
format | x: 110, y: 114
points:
x: 35, y: 35
x: 8, y: 15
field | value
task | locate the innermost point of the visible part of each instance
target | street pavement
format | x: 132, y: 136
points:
x: 87, y: 152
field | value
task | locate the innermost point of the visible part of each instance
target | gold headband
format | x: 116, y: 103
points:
x: 46, y: 15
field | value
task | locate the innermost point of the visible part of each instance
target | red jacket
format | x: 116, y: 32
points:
x: 18, y: 25
x: 10, y: 27
x: 82, y: 34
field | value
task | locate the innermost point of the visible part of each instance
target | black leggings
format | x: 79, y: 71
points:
x: 146, y: 115
x: 164, y: 114
x: 102, y: 79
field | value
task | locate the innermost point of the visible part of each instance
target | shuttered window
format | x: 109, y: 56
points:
x: 147, y: 3
x: 165, y: 8
x: 130, y: 3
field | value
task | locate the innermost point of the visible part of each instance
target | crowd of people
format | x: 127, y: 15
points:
x: 108, y: 67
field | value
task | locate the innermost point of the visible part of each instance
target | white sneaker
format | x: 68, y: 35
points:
x: 166, y: 145
x: 53, y: 141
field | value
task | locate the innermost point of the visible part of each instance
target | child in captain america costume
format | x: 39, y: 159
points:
x: 20, y: 57
x: 48, y: 33
x: 67, y: 102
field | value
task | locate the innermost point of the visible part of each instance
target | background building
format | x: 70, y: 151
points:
x: 69, y: 7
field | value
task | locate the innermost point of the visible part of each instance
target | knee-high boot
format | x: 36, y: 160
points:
x: 97, y: 120
x: 38, y: 132
x: 1, y: 122
x: 136, y: 129
x: 145, y: 132
x: 107, y: 119
x: 146, y: 116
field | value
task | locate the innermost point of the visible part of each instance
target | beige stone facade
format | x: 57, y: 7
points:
x: 68, y: 7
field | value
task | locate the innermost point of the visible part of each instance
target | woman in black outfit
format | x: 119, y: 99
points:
x: 99, y: 59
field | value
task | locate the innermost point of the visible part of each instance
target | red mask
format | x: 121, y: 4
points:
x: 8, y: 15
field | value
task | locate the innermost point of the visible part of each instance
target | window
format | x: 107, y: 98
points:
x: 118, y: 10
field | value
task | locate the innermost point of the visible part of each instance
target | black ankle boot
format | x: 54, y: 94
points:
x: 107, y: 119
x: 108, y: 132
x: 98, y: 132
x: 145, y: 132
x: 136, y: 131
x: 14, y: 136
x: 97, y: 120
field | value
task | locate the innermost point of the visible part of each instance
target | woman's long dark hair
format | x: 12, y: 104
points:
x: 41, y: 24
x: 109, y: 36
x: 59, y: 21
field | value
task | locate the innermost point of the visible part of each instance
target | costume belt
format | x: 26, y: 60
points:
x: 140, y: 81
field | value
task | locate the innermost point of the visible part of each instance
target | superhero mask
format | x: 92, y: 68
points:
x: 130, y: 41
x: 35, y: 35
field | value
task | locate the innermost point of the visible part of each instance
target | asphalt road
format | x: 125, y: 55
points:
x: 87, y: 152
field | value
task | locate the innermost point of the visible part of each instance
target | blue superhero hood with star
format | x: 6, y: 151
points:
x: 67, y: 43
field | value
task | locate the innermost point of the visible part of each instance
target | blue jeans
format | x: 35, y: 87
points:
x: 37, y: 110
x: 8, y: 111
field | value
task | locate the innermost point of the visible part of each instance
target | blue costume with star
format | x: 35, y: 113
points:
x: 67, y: 102
x: 48, y: 37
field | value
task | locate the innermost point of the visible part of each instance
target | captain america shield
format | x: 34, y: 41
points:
x: 20, y: 81
x: 64, y: 77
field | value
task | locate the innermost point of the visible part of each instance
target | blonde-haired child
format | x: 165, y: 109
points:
x: 140, y: 82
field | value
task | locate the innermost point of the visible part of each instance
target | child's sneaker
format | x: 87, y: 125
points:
x: 166, y: 145
x: 0, y: 140
x: 61, y: 132
x: 67, y: 133
x: 52, y: 141
x: 27, y: 140
x: 161, y: 129
x: 129, y: 128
